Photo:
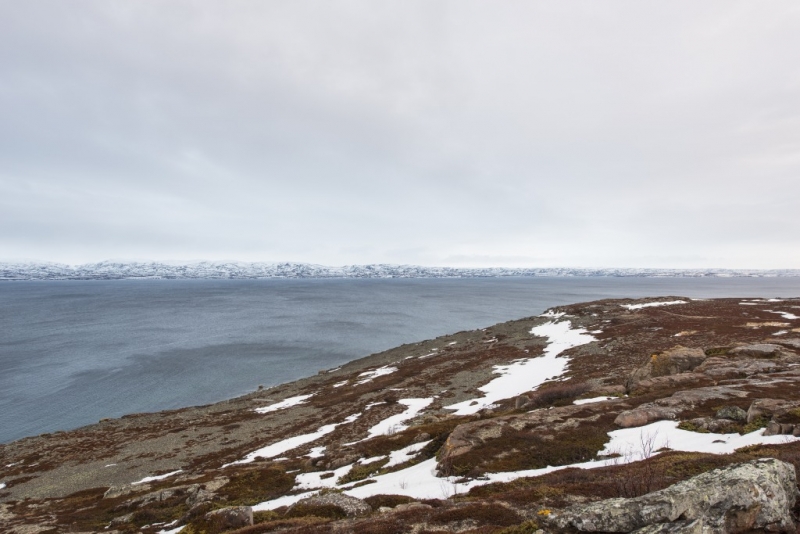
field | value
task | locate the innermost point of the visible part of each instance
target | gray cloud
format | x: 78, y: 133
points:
x: 522, y: 133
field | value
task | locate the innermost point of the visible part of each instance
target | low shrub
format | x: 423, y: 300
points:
x: 557, y: 394
x: 319, y: 510
x: 388, y: 501
x: 483, y: 513
x: 362, y: 471
x: 691, y: 427
x: 755, y: 424
x: 254, y: 486
x: 528, y: 527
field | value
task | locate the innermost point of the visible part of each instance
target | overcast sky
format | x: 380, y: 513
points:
x: 535, y: 133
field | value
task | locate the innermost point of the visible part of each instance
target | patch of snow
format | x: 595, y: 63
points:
x: 287, y: 403
x: 286, y: 500
x: 315, y: 479
x: 452, y: 343
x: 393, y: 424
x: 652, y: 304
x: 785, y: 315
x: 748, y: 303
x: 2, y: 485
x: 368, y: 376
x: 271, y: 451
x: 172, y: 531
x: 373, y: 404
x: 364, y: 461
x: 156, y: 477
x: 593, y: 399
x: 418, y: 481
x: 109, y: 465
x: 405, y: 454
x: 317, y: 452
x: 780, y: 332
x: 340, y: 384
x: 666, y: 434
x: 524, y: 375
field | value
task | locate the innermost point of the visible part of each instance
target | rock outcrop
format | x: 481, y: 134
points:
x: 674, y: 361
x: 351, y: 506
x: 757, y: 495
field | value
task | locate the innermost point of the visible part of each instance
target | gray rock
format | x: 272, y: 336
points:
x: 198, y: 494
x: 645, y: 415
x: 793, y: 342
x: 231, y: 517
x: 717, y: 426
x: 757, y: 350
x: 412, y: 506
x: 341, y: 461
x: 777, y: 429
x: 755, y: 495
x: 125, y: 489
x: 351, y: 506
x: 121, y: 520
x: 678, y: 527
x: 734, y: 413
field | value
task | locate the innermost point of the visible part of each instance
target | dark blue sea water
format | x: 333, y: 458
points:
x: 74, y: 352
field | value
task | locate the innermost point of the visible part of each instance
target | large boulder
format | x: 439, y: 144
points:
x: 645, y: 415
x: 351, y: 506
x: 757, y: 495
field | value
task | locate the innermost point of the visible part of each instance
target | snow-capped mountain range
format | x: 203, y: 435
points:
x: 110, y: 270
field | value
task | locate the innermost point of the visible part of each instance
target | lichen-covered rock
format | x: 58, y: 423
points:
x: 734, y: 413
x: 351, y: 506
x: 756, y: 495
x: 716, y: 426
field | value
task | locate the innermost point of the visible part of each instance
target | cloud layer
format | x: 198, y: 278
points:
x: 440, y: 133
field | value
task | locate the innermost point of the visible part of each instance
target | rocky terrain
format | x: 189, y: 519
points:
x: 656, y: 415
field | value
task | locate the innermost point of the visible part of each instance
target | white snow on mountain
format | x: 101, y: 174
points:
x: 112, y: 270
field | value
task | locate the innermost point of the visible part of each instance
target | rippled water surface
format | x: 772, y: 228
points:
x: 74, y: 352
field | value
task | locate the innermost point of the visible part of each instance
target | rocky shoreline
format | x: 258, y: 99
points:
x: 503, y: 429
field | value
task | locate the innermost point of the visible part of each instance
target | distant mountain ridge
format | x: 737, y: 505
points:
x: 110, y: 270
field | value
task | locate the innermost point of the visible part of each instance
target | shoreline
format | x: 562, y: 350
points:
x: 440, y: 405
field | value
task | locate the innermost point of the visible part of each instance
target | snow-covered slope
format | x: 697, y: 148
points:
x: 110, y: 270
